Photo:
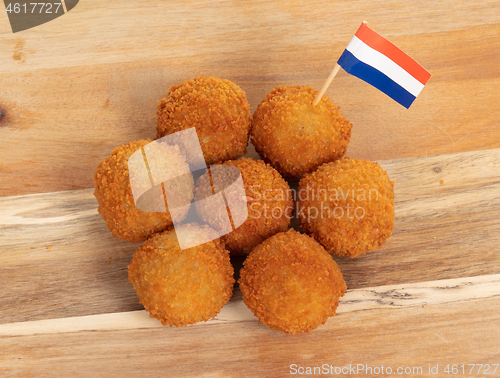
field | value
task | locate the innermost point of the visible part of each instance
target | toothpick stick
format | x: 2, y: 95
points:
x: 326, y: 85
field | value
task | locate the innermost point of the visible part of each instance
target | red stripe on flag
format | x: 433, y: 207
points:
x: 382, y: 45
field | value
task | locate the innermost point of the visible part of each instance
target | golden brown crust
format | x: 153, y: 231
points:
x: 296, y: 137
x: 347, y: 206
x: 270, y: 205
x: 291, y: 283
x: 181, y: 287
x: 218, y: 109
x: 116, y: 201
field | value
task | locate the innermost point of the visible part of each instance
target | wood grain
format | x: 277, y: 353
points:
x: 131, y: 344
x: 442, y: 231
x: 76, y: 87
x: 73, y: 89
x: 447, y: 221
x: 380, y: 297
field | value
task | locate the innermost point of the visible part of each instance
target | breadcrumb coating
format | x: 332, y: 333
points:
x: 116, y: 201
x: 291, y: 283
x: 347, y: 206
x: 269, y: 202
x: 217, y: 108
x: 296, y: 137
x: 181, y: 287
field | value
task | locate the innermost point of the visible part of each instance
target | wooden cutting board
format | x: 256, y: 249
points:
x: 74, y: 88
x: 431, y: 295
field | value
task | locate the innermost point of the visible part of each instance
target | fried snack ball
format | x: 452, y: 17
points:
x: 217, y: 108
x: 181, y: 287
x: 116, y: 201
x: 296, y: 137
x: 269, y: 203
x: 347, y: 206
x: 291, y: 283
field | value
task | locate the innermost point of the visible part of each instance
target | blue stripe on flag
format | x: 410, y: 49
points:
x: 382, y: 82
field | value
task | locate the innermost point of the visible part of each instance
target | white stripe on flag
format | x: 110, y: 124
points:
x: 385, y: 65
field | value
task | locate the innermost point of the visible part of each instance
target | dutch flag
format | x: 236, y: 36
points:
x: 377, y: 61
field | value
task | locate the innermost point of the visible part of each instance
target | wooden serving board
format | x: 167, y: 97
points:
x: 431, y: 295
x: 73, y: 89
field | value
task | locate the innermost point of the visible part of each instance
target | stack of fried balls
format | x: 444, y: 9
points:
x: 289, y: 279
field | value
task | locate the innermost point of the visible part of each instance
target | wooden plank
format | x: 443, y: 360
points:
x: 67, y: 104
x: 120, y: 31
x: 424, y: 318
x: 442, y: 231
x: 380, y: 297
x: 76, y: 87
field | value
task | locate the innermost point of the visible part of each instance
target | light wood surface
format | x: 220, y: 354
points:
x: 429, y: 296
x: 372, y: 298
x: 419, y: 320
x: 73, y: 89
x: 78, y: 86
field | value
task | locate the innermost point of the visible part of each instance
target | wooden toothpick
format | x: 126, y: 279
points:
x: 327, y: 84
